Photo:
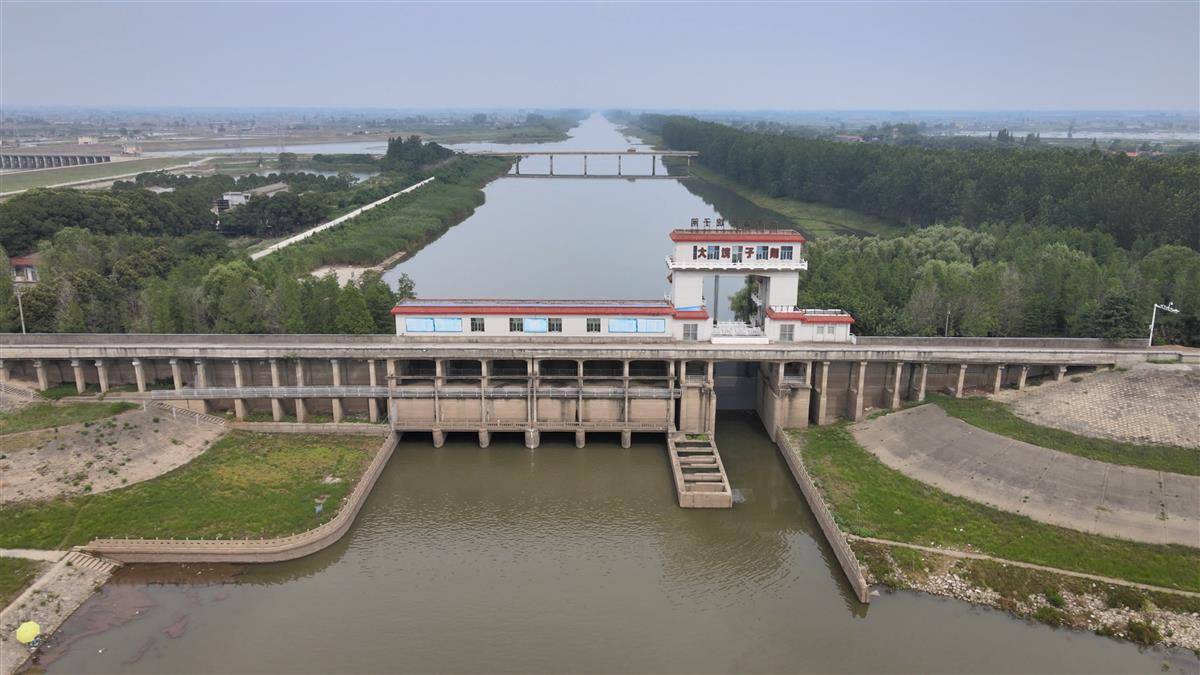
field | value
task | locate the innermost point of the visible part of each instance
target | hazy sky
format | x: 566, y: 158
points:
x: 1009, y: 55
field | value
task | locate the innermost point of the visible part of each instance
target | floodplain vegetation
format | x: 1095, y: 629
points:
x: 16, y: 574
x: 247, y: 485
x: 869, y: 499
x: 51, y: 415
x: 996, y: 417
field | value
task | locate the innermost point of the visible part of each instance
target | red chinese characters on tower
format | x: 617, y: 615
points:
x: 749, y: 252
x: 726, y: 252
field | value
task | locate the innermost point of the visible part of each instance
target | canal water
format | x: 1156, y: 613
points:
x: 561, y: 559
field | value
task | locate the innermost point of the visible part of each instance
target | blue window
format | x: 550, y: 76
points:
x: 622, y: 325
x: 785, y: 252
x: 418, y: 325
x: 714, y: 252
x: 762, y: 252
x: 536, y: 325
x: 447, y: 325
x: 652, y: 325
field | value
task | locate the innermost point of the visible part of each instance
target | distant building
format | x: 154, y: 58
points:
x: 159, y: 189
x: 849, y: 138
x: 87, y: 140
x: 25, y: 268
x: 232, y: 199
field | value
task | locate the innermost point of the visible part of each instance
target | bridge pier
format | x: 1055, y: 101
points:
x: 338, y: 412
x: 820, y: 415
x: 201, y: 383
x: 77, y: 370
x: 139, y: 375
x: 439, y: 438
x: 276, y: 403
x: 854, y: 406
x: 962, y: 376
x: 897, y: 373
x: 40, y: 368
x: 997, y: 379
x: 372, y: 403
x: 485, y: 438
x: 301, y: 407
x: 102, y: 375
x: 1021, y: 378
x: 533, y: 438
x: 626, y: 439
x: 239, y: 404
x: 580, y: 438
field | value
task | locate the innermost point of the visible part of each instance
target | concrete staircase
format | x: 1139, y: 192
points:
x: 86, y: 561
x: 700, y: 479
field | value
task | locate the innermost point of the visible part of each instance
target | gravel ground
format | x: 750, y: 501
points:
x: 1149, y: 403
x: 99, y: 456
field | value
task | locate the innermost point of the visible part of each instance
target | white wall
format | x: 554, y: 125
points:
x: 573, y: 326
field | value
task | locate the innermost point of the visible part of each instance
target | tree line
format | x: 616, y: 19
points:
x: 1001, y: 280
x: 191, y: 284
x: 1140, y: 202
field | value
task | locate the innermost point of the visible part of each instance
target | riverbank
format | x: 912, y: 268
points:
x: 404, y: 224
x: 247, y: 485
x: 871, y: 500
x: 815, y: 220
x: 1057, y: 600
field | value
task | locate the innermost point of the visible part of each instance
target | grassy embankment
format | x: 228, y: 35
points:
x: 404, y: 224
x: 49, y: 415
x: 996, y: 417
x: 814, y: 219
x: 871, y: 500
x: 10, y: 182
x: 15, y: 575
x: 246, y: 485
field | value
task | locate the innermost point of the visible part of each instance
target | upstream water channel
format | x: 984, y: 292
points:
x: 561, y: 559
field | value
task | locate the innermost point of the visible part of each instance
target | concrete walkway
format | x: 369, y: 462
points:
x: 50, y: 600
x: 32, y: 554
x: 1054, y: 487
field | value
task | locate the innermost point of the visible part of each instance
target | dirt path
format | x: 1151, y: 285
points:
x: 1053, y: 487
x: 99, y: 456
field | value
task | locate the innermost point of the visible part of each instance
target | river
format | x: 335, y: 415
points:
x: 561, y: 559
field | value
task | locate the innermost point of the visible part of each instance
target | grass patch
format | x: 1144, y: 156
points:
x: 66, y: 389
x: 15, y: 575
x: 245, y: 485
x: 814, y: 219
x: 871, y: 500
x: 996, y: 417
x: 49, y: 415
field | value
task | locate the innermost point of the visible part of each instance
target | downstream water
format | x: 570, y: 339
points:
x: 561, y: 559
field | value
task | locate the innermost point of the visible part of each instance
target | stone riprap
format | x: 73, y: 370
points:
x: 1149, y: 403
x: 928, y: 445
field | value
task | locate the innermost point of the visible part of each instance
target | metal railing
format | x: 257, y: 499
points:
x: 208, y: 393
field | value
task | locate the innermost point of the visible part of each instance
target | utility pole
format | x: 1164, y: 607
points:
x: 1169, y: 307
x: 20, y: 307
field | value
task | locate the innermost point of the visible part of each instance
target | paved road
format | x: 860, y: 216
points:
x: 1054, y: 487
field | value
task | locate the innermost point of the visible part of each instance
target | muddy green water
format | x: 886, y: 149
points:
x: 560, y: 559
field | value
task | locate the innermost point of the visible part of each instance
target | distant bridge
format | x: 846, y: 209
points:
x: 620, y: 155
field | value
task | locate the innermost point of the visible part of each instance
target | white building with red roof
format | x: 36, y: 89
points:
x: 772, y: 259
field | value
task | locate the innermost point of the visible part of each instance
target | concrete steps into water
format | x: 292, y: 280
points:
x: 700, y: 478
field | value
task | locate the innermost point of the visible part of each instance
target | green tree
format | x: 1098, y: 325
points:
x: 352, y: 314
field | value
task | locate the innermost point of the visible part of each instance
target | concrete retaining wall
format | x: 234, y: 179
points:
x: 833, y: 534
x: 251, y: 550
x: 353, y: 428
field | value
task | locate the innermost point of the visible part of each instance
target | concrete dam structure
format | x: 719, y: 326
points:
x: 572, y: 385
